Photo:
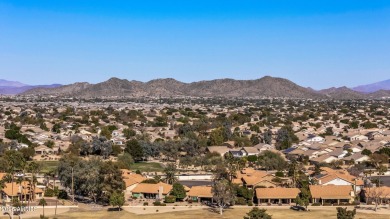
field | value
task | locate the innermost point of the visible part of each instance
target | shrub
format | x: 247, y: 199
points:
x: 240, y: 201
x: 49, y: 193
x: 316, y: 204
x: 170, y: 199
x: 146, y: 203
x: 250, y: 203
x: 279, y: 174
x: 158, y: 203
x: 356, y: 203
x: 62, y: 194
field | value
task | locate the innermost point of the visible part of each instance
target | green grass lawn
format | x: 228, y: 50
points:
x: 47, y: 166
x: 147, y: 167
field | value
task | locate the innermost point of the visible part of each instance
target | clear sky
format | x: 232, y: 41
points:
x: 316, y: 43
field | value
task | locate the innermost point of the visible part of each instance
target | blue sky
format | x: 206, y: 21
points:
x: 320, y: 43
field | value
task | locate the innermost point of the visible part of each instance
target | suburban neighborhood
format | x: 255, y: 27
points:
x: 195, y: 152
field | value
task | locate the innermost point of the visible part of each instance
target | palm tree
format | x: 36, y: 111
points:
x: 170, y: 171
x: 19, y: 181
x: 43, y: 203
x: 2, y: 185
x: 33, y: 168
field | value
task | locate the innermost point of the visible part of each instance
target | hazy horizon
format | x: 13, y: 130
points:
x: 318, y: 44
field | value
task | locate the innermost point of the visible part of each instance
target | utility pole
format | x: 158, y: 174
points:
x: 72, y: 187
x: 55, y: 211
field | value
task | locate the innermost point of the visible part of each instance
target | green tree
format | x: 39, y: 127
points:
x: 117, y: 199
x: 285, y: 138
x: 257, y: 213
x: 42, y: 202
x: 303, y: 199
x: 128, y: 133
x: 267, y: 137
x: 216, y: 137
x: 223, y: 194
x: 272, y: 161
x: 170, y: 171
x: 106, y: 132
x: 56, y: 128
x: 125, y: 161
x: 178, y: 191
x: 134, y: 148
x: 343, y: 213
x: 244, y: 192
x: 366, y: 152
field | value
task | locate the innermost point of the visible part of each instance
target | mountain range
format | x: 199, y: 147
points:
x: 369, y: 88
x: 264, y: 87
x: 15, y: 87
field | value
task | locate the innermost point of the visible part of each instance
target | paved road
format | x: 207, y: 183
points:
x: 385, y: 180
x: 191, y: 183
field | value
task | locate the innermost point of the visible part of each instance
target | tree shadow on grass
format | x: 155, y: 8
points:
x: 114, y: 209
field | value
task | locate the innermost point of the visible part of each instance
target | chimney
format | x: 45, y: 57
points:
x: 319, y: 182
x: 160, y: 192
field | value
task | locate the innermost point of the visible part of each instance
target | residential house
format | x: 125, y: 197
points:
x: 374, y: 135
x: 358, y: 138
x: 326, y: 158
x: 200, y: 193
x: 222, y: 150
x: 22, y: 191
x: 315, y: 139
x: 151, y: 191
x: 276, y: 195
x: 131, y: 180
x: 250, y: 151
x: 383, y: 193
x: 332, y: 194
x: 338, y: 153
x: 330, y: 176
x: 264, y: 147
x: 236, y: 153
x: 357, y: 158
x: 252, y: 178
x: 42, y: 150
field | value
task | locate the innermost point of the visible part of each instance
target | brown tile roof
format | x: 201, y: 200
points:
x: 219, y: 149
x: 2, y: 175
x: 382, y: 192
x: 152, y: 188
x: 136, y: 178
x: 200, y: 191
x: 331, y: 174
x: 131, y: 178
x: 277, y: 193
x: 250, y: 176
x: 331, y: 191
x: 15, y: 190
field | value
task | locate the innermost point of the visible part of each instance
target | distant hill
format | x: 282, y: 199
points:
x: 370, y: 88
x: 263, y: 87
x: 5, y: 83
x: 380, y: 94
x: 342, y: 93
x: 14, y: 87
x: 63, y: 90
